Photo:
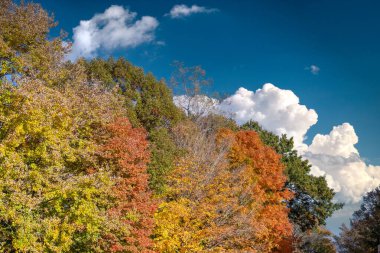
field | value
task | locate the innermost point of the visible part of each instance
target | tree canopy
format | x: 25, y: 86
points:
x: 96, y: 157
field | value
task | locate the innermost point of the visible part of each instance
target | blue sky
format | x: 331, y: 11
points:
x: 249, y: 43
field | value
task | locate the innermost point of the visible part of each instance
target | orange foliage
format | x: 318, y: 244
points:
x: 254, y: 216
x: 126, y: 150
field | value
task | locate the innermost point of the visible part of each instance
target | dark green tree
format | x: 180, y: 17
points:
x: 312, y: 203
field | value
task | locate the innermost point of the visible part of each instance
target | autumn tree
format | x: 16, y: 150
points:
x: 56, y: 194
x: 260, y: 220
x: 126, y: 154
x: 226, y: 194
x: 313, y: 200
x: 186, y: 211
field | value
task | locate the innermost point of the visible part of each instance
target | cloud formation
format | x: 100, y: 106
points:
x: 182, y: 10
x: 314, y: 69
x: 340, y: 142
x: 276, y: 110
x: 335, y: 156
x: 116, y: 28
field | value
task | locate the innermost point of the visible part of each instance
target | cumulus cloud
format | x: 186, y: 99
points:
x: 340, y: 142
x: 276, y: 110
x: 334, y: 155
x: 182, y: 10
x: 314, y: 69
x: 116, y: 28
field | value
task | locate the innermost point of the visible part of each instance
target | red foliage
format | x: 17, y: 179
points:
x: 286, y: 245
x: 126, y: 150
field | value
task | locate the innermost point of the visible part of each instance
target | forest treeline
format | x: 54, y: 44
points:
x: 96, y: 157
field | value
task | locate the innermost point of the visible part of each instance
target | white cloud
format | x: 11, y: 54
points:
x: 277, y: 110
x: 182, y: 10
x: 340, y: 142
x: 335, y: 156
x: 314, y: 69
x: 115, y: 28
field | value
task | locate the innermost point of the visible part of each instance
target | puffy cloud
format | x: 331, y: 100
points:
x: 182, y: 10
x: 335, y: 156
x: 276, y: 110
x: 115, y: 28
x: 340, y: 142
x: 314, y: 69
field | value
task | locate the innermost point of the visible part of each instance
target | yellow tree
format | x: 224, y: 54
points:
x: 186, y: 211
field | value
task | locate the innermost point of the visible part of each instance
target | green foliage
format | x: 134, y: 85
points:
x: 149, y: 101
x: 155, y: 107
x: 312, y: 203
x: 163, y: 155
